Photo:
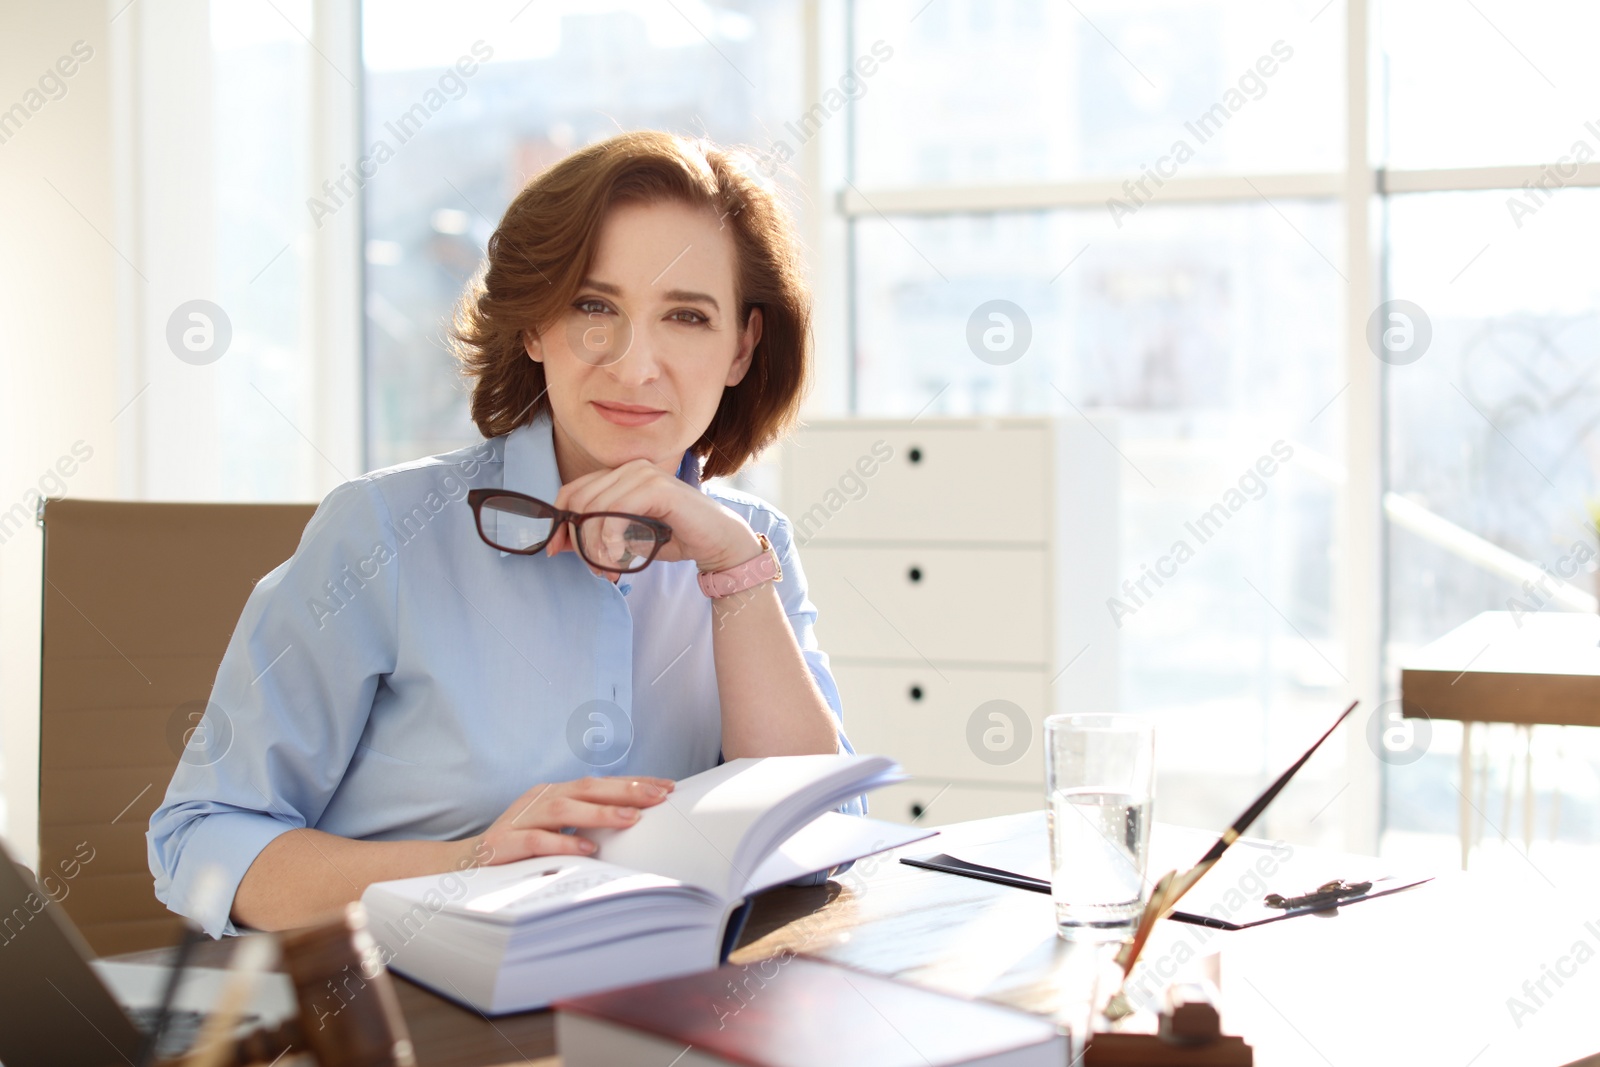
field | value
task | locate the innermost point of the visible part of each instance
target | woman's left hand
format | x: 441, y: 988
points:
x: 702, y: 530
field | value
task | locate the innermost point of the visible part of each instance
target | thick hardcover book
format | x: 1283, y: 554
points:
x: 665, y: 896
x: 789, y: 1011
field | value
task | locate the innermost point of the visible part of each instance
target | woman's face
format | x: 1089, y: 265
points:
x: 636, y: 367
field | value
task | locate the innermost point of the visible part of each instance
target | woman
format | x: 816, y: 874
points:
x: 411, y: 694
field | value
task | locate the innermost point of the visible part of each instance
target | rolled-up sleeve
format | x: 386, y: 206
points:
x: 802, y: 614
x: 291, y: 699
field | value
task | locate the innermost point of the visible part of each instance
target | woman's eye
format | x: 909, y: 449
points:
x: 592, y: 307
x: 691, y: 317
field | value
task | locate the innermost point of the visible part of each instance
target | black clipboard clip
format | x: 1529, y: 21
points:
x: 1327, y: 895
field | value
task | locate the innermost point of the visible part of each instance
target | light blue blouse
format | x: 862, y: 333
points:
x: 398, y: 678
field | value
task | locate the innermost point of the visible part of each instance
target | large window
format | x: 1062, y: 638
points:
x: 261, y: 85
x: 1187, y: 325
x: 1206, y: 326
x: 1492, y: 443
x: 1491, y: 84
x: 1168, y: 192
x: 547, y: 78
x: 1028, y: 90
x: 1494, y: 430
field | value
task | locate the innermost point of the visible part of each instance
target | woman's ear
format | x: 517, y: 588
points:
x: 534, y: 346
x: 749, y: 337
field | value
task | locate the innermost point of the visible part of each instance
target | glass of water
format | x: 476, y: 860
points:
x: 1100, y: 782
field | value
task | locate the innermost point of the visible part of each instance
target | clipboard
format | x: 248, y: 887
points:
x: 1223, y: 913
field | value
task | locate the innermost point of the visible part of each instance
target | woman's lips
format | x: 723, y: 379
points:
x: 627, y: 414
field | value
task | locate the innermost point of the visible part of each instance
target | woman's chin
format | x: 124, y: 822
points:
x: 615, y: 445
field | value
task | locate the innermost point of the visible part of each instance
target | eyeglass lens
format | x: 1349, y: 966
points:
x: 514, y: 523
x: 615, y: 542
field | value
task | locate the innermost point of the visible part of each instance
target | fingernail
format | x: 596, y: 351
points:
x: 585, y: 844
x: 628, y: 813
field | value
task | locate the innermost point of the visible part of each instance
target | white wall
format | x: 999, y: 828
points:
x: 122, y: 200
x: 58, y: 350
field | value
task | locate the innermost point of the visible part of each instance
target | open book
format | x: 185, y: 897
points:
x: 663, y: 897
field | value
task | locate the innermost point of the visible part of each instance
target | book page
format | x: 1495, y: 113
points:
x: 516, y: 892
x: 709, y: 831
x: 829, y: 840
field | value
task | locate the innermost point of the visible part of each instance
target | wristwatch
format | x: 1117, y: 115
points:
x: 746, y: 575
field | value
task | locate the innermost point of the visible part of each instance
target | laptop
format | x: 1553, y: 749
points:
x: 65, y: 1008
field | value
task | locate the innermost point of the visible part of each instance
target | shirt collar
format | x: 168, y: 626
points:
x: 689, y: 469
x: 530, y: 460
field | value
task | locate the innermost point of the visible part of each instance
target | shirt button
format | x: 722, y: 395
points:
x: 625, y: 587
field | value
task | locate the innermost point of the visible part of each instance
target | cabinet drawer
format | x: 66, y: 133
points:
x: 929, y: 802
x: 979, y: 725
x: 901, y: 482
x: 899, y: 602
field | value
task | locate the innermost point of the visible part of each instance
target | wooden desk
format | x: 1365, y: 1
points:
x: 1541, y: 668
x: 1420, y: 978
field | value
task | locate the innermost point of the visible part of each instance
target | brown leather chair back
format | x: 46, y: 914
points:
x: 139, y: 602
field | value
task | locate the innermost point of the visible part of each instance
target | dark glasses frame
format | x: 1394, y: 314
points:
x: 476, y: 498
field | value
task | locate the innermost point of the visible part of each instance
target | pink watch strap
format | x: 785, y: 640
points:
x: 746, y: 575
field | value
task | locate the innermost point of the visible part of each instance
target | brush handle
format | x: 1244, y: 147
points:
x: 180, y: 960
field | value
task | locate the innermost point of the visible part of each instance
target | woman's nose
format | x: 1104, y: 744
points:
x: 639, y: 362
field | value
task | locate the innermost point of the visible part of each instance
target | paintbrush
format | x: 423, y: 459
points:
x: 1171, y: 887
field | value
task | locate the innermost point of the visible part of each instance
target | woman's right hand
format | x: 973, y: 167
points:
x: 532, y: 825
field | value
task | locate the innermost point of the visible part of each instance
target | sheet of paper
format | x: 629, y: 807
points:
x: 1026, y: 855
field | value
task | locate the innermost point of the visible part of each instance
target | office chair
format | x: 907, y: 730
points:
x: 140, y: 600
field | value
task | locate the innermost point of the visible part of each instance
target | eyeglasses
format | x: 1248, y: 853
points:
x: 608, y: 540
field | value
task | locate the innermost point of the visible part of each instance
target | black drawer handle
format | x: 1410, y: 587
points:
x: 916, y: 692
x: 915, y: 574
x: 914, y: 454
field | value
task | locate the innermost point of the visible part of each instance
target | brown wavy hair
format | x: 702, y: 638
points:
x: 545, y: 245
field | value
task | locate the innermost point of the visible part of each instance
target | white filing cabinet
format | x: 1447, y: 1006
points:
x: 960, y: 569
